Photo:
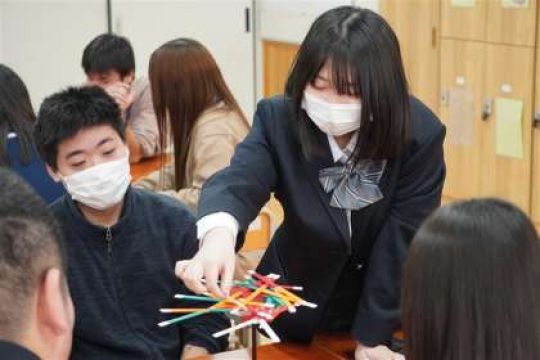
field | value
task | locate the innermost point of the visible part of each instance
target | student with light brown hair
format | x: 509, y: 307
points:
x: 197, y: 114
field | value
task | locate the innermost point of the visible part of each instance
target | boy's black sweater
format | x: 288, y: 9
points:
x: 121, y: 276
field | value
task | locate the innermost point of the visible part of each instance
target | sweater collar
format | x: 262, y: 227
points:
x: 125, y: 215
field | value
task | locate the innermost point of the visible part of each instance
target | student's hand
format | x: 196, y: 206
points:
x: 192, y: 351
x: 215, y: 260
x: 375, y: 353
x: 122, y: 93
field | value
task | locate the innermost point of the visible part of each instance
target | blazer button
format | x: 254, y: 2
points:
x: 359, y: 266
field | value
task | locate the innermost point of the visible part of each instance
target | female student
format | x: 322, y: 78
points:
x: 471, y: 285
x: 17, y: 150
x: 357, y: 164
x: 197, y: 112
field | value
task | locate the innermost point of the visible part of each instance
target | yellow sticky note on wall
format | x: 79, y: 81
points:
x: 515, y: 3
x: 509, y: 127
x: 463, y: 3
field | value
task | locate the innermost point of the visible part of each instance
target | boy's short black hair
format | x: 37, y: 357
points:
x: 30, y: 243
x: 62, y: 115
x: 108, y: 52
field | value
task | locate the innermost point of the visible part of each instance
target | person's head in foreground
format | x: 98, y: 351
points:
x: 80, y: 135
x: 471, y: 286
x: 36, y: 311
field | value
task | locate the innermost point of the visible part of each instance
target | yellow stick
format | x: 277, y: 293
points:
x: 288, y: 293
x: 254, y: 294
x: 229, y: 299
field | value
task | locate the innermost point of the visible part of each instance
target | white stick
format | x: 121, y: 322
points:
x: 265, y: 315
x: 236, y: 327
x: 268, y: 330
x: 297, y: 288
x: 273, y: 276
x: 308, y: 304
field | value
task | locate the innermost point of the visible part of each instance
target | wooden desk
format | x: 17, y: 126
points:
x: 146, y: 167
x: 324, y: 347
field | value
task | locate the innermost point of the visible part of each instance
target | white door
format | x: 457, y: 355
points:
x: 221, y: 25
x: 43, y: 40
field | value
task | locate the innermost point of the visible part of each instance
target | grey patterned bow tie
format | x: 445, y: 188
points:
x: 353, y: 186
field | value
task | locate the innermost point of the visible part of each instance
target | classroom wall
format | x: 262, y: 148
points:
x: 1, y: 37
x: 219, y: 25
x: 43, y: 40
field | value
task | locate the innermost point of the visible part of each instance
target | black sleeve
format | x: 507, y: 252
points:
x: 198, y: 331
x: 244, y: 187
x: 418, y: 193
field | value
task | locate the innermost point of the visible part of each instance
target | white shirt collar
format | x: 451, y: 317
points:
x: 337, y: 152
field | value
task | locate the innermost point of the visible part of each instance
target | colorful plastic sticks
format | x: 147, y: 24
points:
x: 257, y: 301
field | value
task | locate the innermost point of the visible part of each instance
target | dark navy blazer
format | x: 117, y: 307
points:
x: 34, y: 172
x: 312, y: 246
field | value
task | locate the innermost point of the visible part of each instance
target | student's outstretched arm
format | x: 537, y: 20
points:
x: 196, y: 333
x: 236, y: 193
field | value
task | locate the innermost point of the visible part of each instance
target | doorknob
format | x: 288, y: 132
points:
x: 487, y: 109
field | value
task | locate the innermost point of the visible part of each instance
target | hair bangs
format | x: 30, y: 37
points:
x: 345, y: 73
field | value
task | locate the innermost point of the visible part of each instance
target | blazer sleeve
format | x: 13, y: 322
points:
x: 242, y: 188
x: 418, y: 193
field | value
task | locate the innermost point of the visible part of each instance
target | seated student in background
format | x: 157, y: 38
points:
x: 108, y: 62
x: 122, y: 242
x: 17, y: 149
x: 36, y: 312
x: 194, y: 105
x: 471, y: 286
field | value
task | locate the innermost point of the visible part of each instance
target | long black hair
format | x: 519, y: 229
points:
x: 16, y: 115
x: 362, y: 48
x: 471, y: 287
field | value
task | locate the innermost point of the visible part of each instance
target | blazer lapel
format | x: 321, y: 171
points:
x: 312, y: 167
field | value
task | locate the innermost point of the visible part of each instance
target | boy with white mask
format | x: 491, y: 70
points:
x: 122, y: 242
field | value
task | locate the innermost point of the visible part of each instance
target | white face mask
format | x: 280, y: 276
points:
x: 332, y: 119
x: 100, y: 186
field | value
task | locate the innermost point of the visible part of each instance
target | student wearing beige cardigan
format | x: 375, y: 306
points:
x: 196, y: 109
x: 214, y: 138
